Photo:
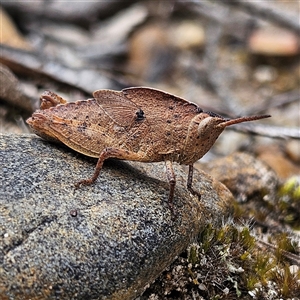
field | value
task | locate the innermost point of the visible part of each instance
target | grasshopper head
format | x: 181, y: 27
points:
x: 212, y: 125
x: 39, y: 125
x: 209, y: 129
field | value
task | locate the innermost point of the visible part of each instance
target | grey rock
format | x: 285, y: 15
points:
x: 246, y: 176
x: 105, y: 241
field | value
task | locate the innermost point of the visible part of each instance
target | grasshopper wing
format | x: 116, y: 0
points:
x: 120, y: 109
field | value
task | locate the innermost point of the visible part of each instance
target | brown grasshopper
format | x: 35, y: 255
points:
x: 137, y: 124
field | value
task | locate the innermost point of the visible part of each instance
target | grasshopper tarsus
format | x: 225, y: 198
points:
x: 194, y: 192
x: 190, y: 181
x: 84, y: 182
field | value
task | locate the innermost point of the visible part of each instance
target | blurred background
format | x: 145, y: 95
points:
x: 233, y: 58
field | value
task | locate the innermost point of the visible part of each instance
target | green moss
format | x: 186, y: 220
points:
x: 247, y: 239
x: 227, y: 262
x: 283, y: 206
x: 288, y: 282
x: 262, y: 264
x: 291, y: 187
x: 288, y: 202
x: 296, y: 193
x: 284, y: 244
x: 239, y: 265
x: 193, y: 254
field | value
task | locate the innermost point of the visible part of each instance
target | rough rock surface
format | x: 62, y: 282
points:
x: 245, y: 176
x: 105, y: 241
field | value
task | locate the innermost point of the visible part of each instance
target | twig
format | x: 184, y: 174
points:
x: 269, y: 130
x: 277, y: 101
x: 217, y: 77
x: 293, y: 258
x: 265, y: 10
x: 42, y: 66
x: 218, y: 13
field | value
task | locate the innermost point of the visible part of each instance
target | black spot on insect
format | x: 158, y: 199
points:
x: 140, y: 115
x: 169, y: 121
x: 199, y: 110
x: 82, y: 127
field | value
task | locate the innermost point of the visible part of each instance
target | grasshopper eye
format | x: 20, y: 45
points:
x: 205, y: 127
x: 140, y: 115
